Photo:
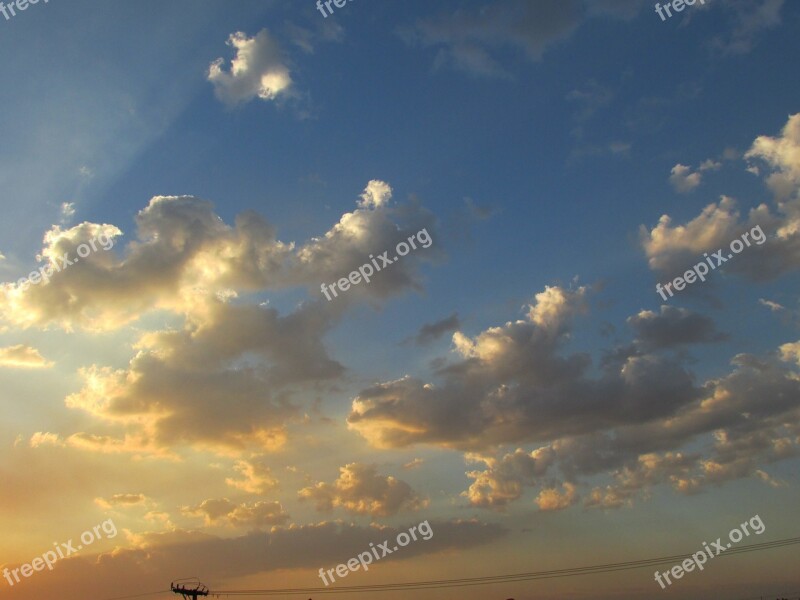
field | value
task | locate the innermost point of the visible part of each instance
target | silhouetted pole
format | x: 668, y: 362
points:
x: 187, y: 593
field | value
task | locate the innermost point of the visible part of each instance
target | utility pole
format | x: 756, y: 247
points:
x: 189, y: 593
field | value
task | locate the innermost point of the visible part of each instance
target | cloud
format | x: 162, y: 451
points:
x: 121, y: 500
x: 360, y: 490
x: 591, y: 98
x: 256, y: 477
x: 683, y: 179
x: 156, y: 557
x: 673, y: 327
x: 261, y: 514
x: 413, y: 464
x: 552, y: 499
x: 512, y: 386
x: 41, y: 438
x: 504, y: 479
x: 186, y: 386
x: 749, y: 19
x: 609, y: 497
x: 710, y: 165
x: 672, y: 248
x: 186, y: 258
x: 376, y: 194
x: 23, y: 357
x: 471, y: 40
x: 222, y: 377
x: 306, y: 39
x: 433, y: 331
x: 782, y: 155
x: 464, y: 38
x: 67, y: 211
x: 257, y: 70
x: 773, y: 306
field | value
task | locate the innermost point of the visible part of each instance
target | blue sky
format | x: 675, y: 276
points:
x: 517, y: 383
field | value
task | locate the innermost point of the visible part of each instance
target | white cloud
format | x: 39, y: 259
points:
x: 683, y: 179
x: 67, y: 211
x: 186, y: 261
x: 257, y: 70
x: 672, y: 248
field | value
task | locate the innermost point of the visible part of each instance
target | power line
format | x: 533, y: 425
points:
x: 487, y: 580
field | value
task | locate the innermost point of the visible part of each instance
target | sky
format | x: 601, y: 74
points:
x: 581, y: 345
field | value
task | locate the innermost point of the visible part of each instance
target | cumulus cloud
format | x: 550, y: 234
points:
x: 511, y: 385
x: 360, y: 490
x: 782, y: 156
x: 186, y: 258
x: 23, y: 357
x: 674, y: 326
x: 554, y: 499
x: 261, y: 514
x: 256, y: 477
x: 683, y: 179
x: 672, y: 248
x: 223, y: 377
x: 186, y: 386
x: 503, y: 481
x: 257, y: 70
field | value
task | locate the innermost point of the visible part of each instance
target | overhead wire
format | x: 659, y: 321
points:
x: 510, y: 578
